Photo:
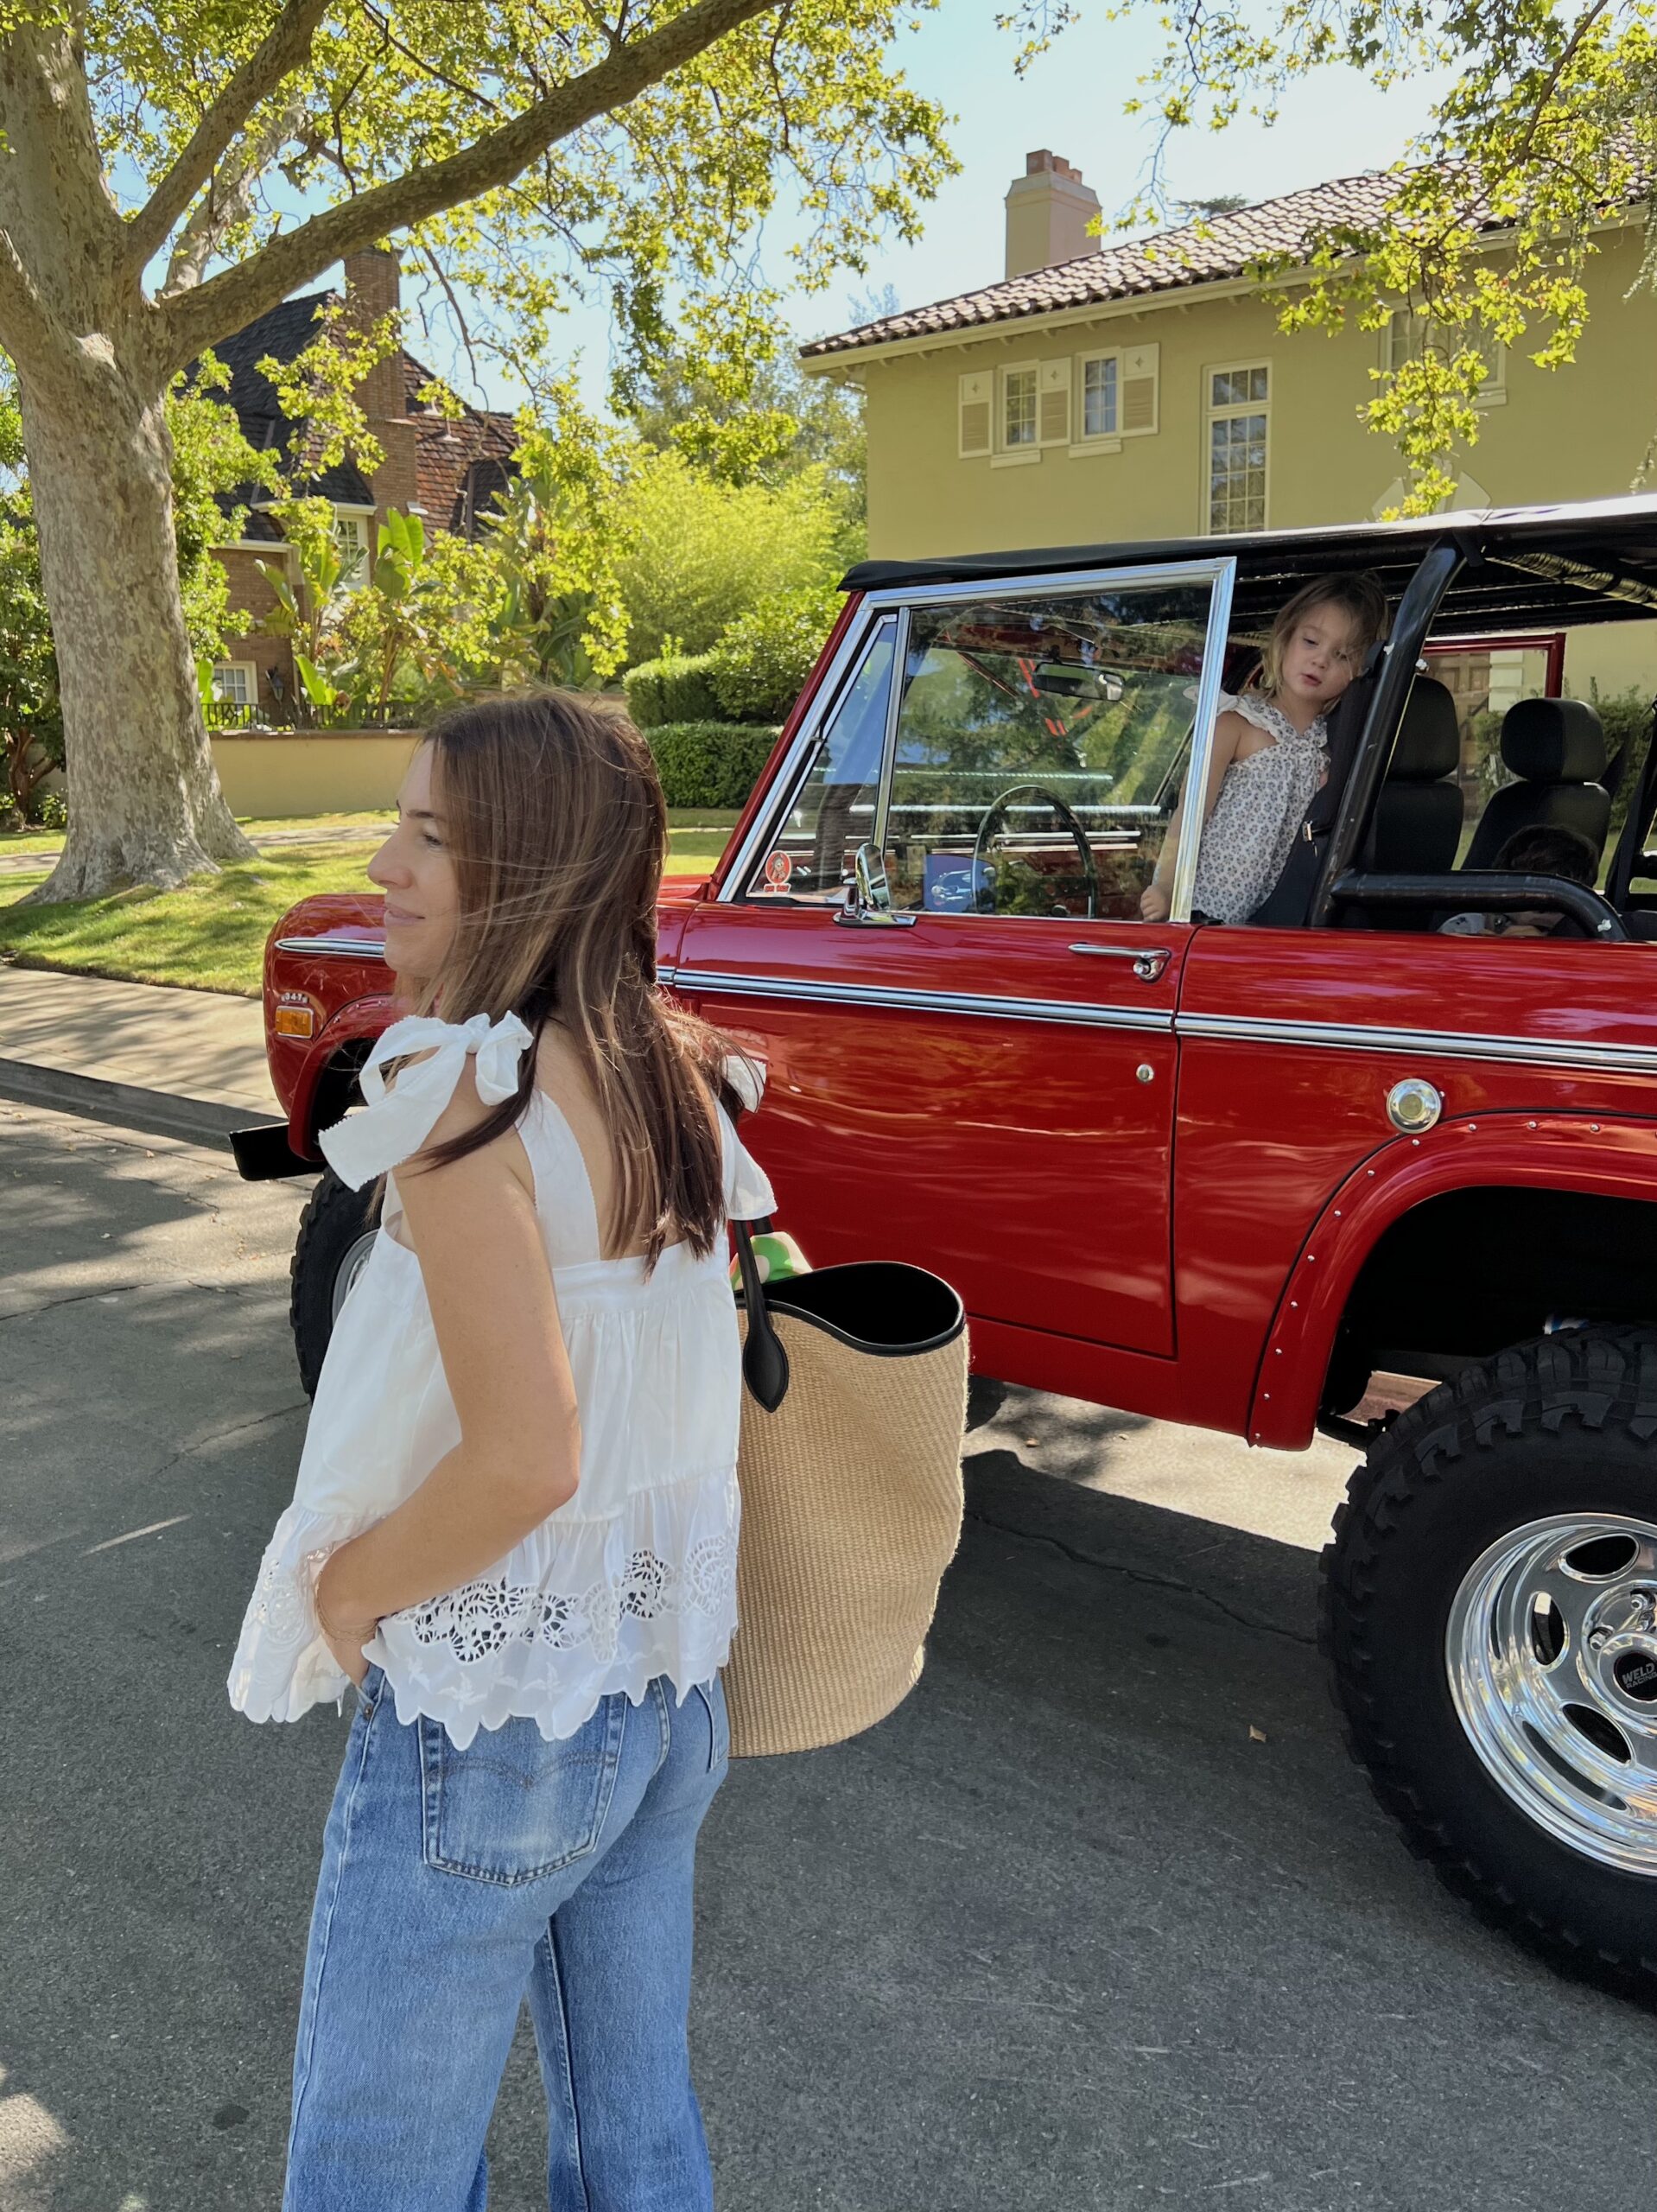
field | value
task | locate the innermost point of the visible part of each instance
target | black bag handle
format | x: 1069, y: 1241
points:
x: 765, y: 1356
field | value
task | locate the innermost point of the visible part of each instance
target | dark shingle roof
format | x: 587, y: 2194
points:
x: 284, y: 331
x: 1223, y: 246
x: 445, y: 453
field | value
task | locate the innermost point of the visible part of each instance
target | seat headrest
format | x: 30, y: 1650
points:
x: 1429, y: 737
x: 1553, y: 741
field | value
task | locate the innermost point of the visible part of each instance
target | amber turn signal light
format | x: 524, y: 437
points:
x: 294, y: 1021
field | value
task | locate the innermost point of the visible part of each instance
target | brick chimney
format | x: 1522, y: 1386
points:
x: 1048, y: 211
x: 373, y: 291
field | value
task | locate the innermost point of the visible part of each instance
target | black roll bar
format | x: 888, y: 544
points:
x: 1425, y: 589
x: 1480, y: 892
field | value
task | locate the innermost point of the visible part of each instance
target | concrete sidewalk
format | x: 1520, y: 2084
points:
x: 348, y: 833
x: 192, y: 1061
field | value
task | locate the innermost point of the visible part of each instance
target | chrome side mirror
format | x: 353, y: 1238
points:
x: 868, y: 894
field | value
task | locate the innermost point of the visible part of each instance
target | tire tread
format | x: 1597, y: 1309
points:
x: 1592, y: 1379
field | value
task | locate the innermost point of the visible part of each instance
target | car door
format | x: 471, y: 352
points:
x: 981, y: 1079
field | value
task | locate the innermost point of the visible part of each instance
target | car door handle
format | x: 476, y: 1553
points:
x: 1149, y: 960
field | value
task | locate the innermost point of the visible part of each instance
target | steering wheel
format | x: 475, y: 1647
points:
x: 983, y: 894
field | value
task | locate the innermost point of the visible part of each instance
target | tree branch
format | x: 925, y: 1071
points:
x: 284, y: 49
x: 229, y: 301
x: 229, y: 197
x: 27, y: 330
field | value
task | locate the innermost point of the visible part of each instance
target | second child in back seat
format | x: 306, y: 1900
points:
x: 1546, y: 849
x: 1269, y: 750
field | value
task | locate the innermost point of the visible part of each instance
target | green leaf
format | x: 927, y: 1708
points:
x: 319, y: 690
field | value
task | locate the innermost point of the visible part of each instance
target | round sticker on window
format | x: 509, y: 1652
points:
x: 778, y: 868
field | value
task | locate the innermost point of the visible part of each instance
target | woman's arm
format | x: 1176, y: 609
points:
x: 1157, y: 901
x: 475, y: 1229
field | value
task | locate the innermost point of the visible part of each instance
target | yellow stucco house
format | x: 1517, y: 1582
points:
x: 1145, y: 391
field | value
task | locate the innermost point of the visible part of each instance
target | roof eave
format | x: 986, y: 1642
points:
x: 1127, y: 303
x: 1003, y: 327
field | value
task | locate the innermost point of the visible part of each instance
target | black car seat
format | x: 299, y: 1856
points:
x: 1418, y: 818
x: 1417, y: 823
x: 1556, y: 747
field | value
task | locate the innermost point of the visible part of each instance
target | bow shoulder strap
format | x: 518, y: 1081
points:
x: 397, y: 1121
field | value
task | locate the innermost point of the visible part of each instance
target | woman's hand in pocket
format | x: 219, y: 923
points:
x: 344, y: 1637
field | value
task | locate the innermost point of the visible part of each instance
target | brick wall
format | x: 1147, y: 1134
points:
x: 251, y: 600
x: 373, y: 289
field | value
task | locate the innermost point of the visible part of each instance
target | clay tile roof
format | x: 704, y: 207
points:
x: 1224, y: 245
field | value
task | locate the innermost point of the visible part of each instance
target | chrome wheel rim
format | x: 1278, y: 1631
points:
x: 1552, y: 1654
x: 350, y: 1267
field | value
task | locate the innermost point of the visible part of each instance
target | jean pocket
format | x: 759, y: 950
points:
x: 711, y: 1695
x: 369, y: 1691
x: 513, y: 1807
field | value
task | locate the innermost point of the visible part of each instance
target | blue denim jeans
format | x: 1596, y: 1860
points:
x: 455, y: 1884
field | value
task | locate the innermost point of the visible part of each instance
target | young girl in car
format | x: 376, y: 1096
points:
x: 1270, y: 752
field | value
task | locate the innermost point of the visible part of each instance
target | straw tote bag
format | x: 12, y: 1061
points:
x: 854, y: 1413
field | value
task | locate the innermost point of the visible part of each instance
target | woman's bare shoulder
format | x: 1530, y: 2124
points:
x: 558, y: 1068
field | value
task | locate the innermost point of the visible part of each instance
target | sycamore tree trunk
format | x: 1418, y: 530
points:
x: 144, y: 799
x: 94, y: 366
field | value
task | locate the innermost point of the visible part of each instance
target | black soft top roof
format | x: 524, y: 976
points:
x: 1525, y: 568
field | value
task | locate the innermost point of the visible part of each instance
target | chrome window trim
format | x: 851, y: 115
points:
x: 1220, y: 573
x: 817, y: 991
x: 1438, y: 1043
x: 763, y: 830
x: 335, y: 948
x: 1196, y: 776
x: 889, y: 744
x: 1067, y: 580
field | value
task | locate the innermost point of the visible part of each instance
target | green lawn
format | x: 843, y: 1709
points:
x: 210, y: 934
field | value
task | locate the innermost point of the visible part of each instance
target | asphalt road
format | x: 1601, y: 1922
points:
x: 1101, y: 1918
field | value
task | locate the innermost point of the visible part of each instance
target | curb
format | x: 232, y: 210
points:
x: 156, y: 1112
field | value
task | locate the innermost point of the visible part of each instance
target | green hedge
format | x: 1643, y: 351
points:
x: 709, y: 763
x: 677, y: 690
x: 758, y: 664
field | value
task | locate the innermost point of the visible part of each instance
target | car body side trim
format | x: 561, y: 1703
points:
x: 1328, y: 1036
x: 1440, y: 1044
x: 335, y: 948
x: 1075, y: 1014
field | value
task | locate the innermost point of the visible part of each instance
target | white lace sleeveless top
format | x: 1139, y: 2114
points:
x: 635, y: 1576
x: 1262, y: 803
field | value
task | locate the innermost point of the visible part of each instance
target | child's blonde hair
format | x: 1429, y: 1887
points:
x: 1359, y: 595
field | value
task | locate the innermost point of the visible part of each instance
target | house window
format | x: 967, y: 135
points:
x: 1408, y: 335
x: 351, y: 536
x: 1018, y: 402
x: 1099, y: 378
x: 1238, y: 428
x: 235, y: 683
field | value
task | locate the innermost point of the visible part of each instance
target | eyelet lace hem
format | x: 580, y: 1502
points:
x: 570, y: 1617
x: 483, y: 1618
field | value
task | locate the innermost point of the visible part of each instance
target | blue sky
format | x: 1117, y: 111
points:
x: 1333, y: 125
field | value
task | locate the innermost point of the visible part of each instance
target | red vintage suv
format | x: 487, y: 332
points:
x: 1229, y: 1175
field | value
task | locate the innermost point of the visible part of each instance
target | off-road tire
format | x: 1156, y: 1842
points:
x: 1565, y: 1424
x: 333, y: 1224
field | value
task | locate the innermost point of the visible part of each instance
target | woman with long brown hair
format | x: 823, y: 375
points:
x: 515, y: 1525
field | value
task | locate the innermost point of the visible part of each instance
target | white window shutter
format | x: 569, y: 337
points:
x: 1053, y: 419
x: 1140, y: 367
x: 976, y: 401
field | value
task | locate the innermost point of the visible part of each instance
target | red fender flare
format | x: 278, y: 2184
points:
x: 1610, y: 1157
x: 363, y: 1019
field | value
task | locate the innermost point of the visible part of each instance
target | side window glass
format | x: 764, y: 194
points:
x: 1041, y: 743
x: 834, y: 811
